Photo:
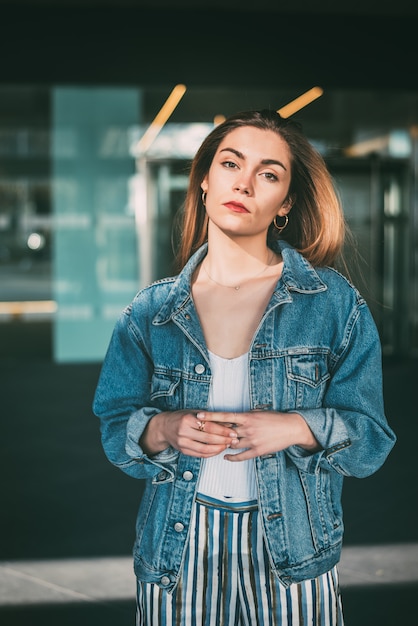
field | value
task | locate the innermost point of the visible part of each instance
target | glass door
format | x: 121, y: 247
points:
x: 375, y: 197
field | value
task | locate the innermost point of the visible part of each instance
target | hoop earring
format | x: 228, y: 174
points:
x: 280, y: 228
x: 204, y: 194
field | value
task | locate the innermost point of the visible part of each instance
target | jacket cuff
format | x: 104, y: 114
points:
x: 135, y: 427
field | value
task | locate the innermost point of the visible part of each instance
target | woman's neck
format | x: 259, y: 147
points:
x: 231, y: 262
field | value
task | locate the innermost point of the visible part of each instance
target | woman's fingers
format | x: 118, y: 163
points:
x: 228, y: 419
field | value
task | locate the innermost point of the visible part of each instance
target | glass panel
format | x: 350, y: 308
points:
x: 25, y: 204
x: 373, y: 193
x: 95, y: 246
x: 168, y: 184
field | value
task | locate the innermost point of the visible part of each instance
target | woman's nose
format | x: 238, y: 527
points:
x: 242, y: 186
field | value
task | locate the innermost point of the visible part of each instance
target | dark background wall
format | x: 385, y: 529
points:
x: 352, y: 45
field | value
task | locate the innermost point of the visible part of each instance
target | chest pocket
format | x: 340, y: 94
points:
x: 307, y: 376
x: 166, y: 389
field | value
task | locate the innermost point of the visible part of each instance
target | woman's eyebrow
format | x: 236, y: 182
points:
x: 240, y: 155
x: 236, y: 152
x: 273, y: 162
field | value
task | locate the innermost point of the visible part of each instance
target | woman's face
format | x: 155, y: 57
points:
x: 248, y: 182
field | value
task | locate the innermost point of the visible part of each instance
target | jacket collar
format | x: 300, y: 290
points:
x: 298, y: 275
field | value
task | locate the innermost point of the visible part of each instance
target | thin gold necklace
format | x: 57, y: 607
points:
x: 237, y: 287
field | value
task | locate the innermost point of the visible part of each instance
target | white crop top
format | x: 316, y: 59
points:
x: 220, y: 479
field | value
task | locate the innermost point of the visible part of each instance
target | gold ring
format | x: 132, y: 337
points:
x: 200, y: 425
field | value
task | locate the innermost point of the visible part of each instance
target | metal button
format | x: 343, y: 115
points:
x: 187, y: 475
x: 199, y: 368
x: 165, y: 580
x: 178, y: 527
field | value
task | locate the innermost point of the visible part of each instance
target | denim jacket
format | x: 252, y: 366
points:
x: 316, y: 351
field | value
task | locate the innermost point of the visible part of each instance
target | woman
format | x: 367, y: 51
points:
x: 244, y: 390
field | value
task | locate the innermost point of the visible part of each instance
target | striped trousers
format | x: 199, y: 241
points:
x: 226, y: 579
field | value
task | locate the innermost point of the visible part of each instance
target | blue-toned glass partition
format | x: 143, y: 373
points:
x: 95, y: 245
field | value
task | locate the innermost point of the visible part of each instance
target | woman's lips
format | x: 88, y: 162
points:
x: 236, y: 206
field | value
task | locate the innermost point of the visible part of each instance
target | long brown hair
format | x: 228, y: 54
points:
x: 316, y: 223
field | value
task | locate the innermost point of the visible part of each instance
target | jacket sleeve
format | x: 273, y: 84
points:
x: 351, y: 426
x: 122, y: 403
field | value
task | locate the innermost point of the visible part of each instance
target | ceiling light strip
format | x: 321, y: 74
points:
x: 300, y: 102
x: 161, y: 118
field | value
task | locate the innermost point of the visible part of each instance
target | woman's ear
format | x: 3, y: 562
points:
x: 286, y: 206
x: 204, y: 184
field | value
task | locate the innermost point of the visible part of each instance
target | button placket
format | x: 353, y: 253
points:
x: 178, y: 527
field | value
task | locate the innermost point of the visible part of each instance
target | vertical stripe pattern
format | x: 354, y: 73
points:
x: 226, y: 579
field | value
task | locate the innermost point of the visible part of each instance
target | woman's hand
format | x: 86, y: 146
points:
x: 262, y: 432
x: 186, y: 433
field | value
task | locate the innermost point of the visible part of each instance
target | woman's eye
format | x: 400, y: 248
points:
x: 229, y: 164
x: 271, y: 176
